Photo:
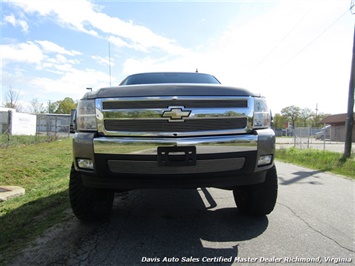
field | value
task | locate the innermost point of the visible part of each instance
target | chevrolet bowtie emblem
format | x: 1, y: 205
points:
x: 176, y: 114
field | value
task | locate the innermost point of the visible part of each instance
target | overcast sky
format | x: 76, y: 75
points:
x: 293, y: 52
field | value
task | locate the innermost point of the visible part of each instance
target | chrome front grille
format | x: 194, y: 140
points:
x: 174, y: 116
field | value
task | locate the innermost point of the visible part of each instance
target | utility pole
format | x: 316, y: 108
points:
x: 109, y: 60
x: 350, y: 113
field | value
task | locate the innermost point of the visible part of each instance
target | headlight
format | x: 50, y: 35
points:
x: 262, y: 116
x: 86, y: 116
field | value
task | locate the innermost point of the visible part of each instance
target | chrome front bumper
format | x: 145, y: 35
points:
x: 214, y: 148
x: 148, y: 146
x: 132, y: 162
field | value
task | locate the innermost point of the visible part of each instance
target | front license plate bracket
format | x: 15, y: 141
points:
x: 177, y: 156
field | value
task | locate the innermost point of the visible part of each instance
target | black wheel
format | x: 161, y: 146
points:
x: 259, y: 199
x: 88, y: 204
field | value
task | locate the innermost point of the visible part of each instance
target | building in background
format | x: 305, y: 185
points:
x: 337, y: 123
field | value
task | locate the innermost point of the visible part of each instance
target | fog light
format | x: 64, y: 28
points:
x: 264, y: 160
x: 85, y: 164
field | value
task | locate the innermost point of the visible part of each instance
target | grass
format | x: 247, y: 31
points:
x: 43, y: 171
x: 316, y: 159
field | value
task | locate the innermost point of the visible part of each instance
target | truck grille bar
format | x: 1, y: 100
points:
x: 113, y: 105
x: 193, y: 125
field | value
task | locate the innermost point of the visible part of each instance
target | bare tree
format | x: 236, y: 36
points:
x: 11, y: 99
x: 37, y: 107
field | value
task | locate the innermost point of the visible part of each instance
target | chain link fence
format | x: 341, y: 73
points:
x: 306, y: 137
x: 309, y: 138
x: 17, y: 128
x: 53, y: 125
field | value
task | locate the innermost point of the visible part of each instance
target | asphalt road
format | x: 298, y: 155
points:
x: 313, y: 222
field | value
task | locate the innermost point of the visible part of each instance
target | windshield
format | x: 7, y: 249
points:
x: 154, y: 78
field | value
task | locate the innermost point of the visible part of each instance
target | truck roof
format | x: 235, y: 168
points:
x: 159, y: 84
x: 169, y: 77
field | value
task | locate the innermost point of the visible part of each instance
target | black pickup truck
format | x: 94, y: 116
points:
x: 172, y: 130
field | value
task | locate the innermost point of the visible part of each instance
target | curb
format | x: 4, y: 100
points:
x: 9, y: 192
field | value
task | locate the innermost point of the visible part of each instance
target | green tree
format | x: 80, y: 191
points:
x: 52, y: 106
x: 292, y: 114
x: 305, y: 116
x: 65, y: 106
x: 279, y: 121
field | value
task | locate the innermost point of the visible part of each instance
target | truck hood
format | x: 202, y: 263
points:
x: 152, y: 90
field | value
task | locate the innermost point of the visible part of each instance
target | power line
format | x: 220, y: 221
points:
x: 316, y: 38
x: 281, y: 41
x: 311, y: 42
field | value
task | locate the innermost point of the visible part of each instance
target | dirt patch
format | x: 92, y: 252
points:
x: 54, y: 246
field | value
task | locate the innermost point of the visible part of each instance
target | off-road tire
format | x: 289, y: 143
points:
x: 259, y: 199
x: 88, y: 204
